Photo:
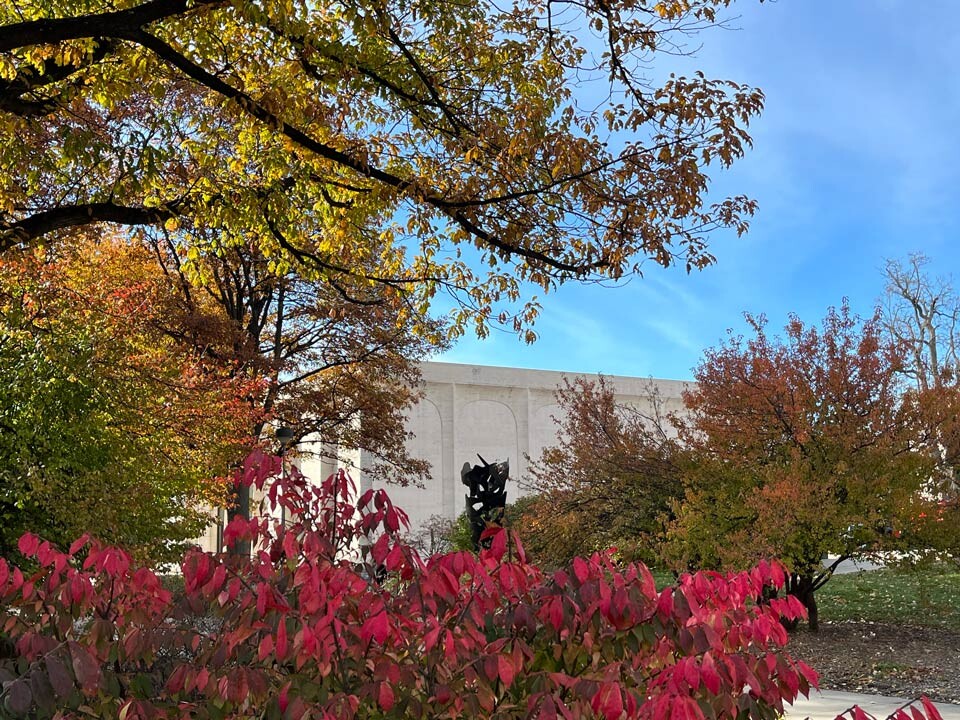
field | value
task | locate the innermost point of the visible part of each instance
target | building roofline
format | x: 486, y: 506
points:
x: 464, y: 374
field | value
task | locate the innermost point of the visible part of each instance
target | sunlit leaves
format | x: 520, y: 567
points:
x: 608, y: 482
x: 101, y: 413
x: 463, y: 123
x: 306, y: 625
x: 803, y: 445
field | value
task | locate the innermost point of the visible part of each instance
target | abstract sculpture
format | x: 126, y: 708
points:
x: 487, y: 498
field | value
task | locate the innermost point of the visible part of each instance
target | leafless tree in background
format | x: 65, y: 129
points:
x: 922, y: 311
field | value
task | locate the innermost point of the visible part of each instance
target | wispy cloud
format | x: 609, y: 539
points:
x: 856, y: 160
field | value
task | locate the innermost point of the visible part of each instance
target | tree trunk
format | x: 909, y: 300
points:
x: 802, y: 587
x: 239, y: 507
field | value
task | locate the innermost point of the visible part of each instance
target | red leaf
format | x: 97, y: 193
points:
x: 376, y: 627
x: 281, y: 652
x: 365, y: 499
x: 391, y: 520
x: 282, y: 699
x: 380, y: 549
x: 265, y: 648
x: 709, y: 675
x: 580, y: 569
x: 548, y: 709
x: 385, y: 697
x: 394, y: 558
x: 27, y: 545
x: 85, y: 668
x: 691, y: 673
x: 45, y: 554
x: 498, y: 548
x: 262, y: 591
x: 556, y: 613
x: 491, y: 668
x: 665, y: 603
x: 608, y: 701
x: 930, y: 708
x: 791, y: 680
x: 176, y: 679
x: 809, y: 673
x: 449, y: 647
x: 505, y: 670
x: 202, y: 679
x: 430, y: 638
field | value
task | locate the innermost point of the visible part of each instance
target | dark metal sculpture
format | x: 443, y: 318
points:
x: 487, y: 498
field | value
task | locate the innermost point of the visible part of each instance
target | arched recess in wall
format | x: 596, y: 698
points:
x: 543, y: 430
x: 488, y: 428
x: 421, y: 503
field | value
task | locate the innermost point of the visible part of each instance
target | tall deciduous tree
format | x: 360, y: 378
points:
x: 922, y: 311
x: 802, y: 446
x: 333, y: 366
x: 105, y: 426
x: 610, y: 480
x: 448, y: 133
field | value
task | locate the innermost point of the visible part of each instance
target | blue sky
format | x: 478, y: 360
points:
x: 856, y: 159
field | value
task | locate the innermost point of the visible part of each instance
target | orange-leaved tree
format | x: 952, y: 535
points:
x: 106, y: 425
x: 610, y: 480
x: 802, y: 446
x: 338, y: 362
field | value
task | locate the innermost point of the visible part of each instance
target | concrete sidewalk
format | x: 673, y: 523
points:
x: 826, y: 705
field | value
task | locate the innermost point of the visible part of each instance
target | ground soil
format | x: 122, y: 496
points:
x: 885, y: 659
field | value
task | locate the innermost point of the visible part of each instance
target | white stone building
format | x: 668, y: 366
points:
x: 502, y: 414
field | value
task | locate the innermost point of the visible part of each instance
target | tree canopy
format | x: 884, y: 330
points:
x: 105, y: 424
x: 330, y: 366
x: 400, y: 143
x: 801, y: 446
x: 608, y: 482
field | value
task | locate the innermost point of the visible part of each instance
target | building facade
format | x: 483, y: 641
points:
x: 499, y: 413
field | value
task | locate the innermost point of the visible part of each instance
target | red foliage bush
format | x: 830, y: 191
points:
x: 308, y: 628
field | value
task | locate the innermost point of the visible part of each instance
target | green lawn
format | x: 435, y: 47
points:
x: 930, y: 597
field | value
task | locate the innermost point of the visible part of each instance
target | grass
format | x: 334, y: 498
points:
x: 929, y: 597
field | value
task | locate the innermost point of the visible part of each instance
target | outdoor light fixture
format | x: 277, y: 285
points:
x: 284, y: 435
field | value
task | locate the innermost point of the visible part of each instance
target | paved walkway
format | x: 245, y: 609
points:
x: 826, y: 705
x: 851, y: 566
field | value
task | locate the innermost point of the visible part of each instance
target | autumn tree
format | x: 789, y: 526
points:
x: 922, y: 311
x: 609, y: 482
x: 337, y: 364
x: 429, y: 146
x: 332, y: 365
x: 803, y: 445
x: 101, y: 416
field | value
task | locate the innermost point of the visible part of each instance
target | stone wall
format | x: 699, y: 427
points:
x: 500, y: 413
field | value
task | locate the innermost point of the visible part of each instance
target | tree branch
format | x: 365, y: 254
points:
x: 47, y: 221
x: 115, y: 24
